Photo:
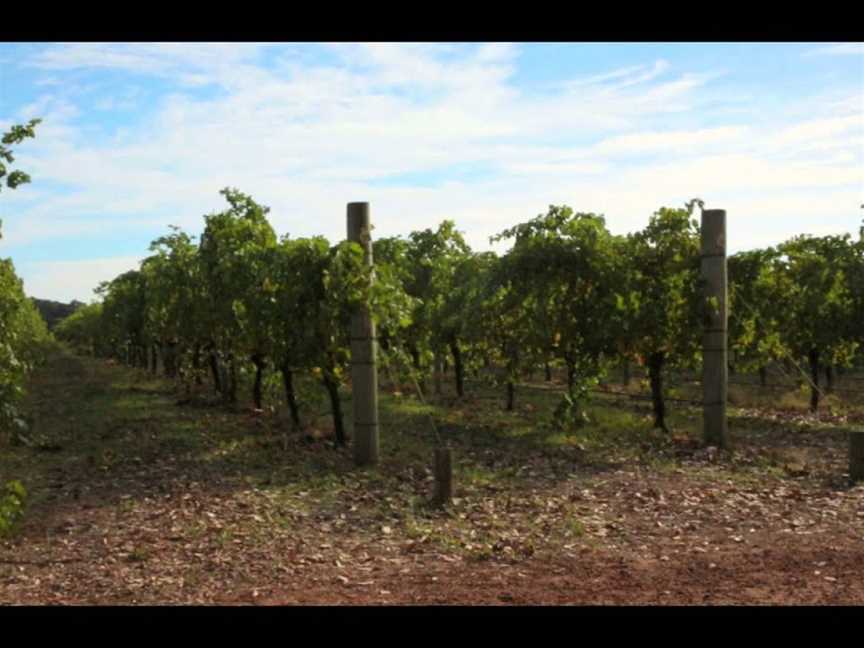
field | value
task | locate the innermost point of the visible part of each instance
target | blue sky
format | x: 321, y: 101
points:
x: 139, y: 136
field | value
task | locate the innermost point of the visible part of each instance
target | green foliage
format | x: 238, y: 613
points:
x: 499, y: 325
x: 24, y: 336
x: 24, y: 339
x: 570, y: 413
x: 82, y: 329
x: 423, y: 289
x: 123, y: 310
x: 813, y: 275
x: 232, y: 256
x: 819, y: 281
x: 663, y: 307
x: 175, y: 294
x: 15, y: 135
x: 854, y: 274
x: 663, y: 287
x: 564, y: 273
x: 755, y: 331
x: 52, y: 311
x: 12, y: 500
x: 435, y: 259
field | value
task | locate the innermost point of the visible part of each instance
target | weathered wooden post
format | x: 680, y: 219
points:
x: 714, y: 356
x: 443, y: 476
x: 856, y: 456
x: 364, y: 374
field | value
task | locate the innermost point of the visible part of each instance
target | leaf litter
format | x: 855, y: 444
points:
x: 722, y: 527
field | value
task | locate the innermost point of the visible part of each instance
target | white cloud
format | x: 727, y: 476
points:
x: 839, y: 49
x: 852, y: 104
x: 656, y: 70
x: 59, y: 109
x: 681, y: 143
x: 817, y: 130
x: 185, y: 62
x: 579, y: 82
x: 67, y: 280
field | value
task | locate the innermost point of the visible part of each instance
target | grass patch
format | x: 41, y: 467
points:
x: 575, y: 527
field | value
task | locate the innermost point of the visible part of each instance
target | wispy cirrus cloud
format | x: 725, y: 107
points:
x: 186, y: 63
x: 838, y: 49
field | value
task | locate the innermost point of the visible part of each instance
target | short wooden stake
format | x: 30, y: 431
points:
x: 443, y: 476
x: 856, y: 456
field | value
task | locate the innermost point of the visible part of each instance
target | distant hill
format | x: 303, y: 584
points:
x: 52, y: 312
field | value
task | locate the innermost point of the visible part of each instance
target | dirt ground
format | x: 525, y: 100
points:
x: 141, y: 518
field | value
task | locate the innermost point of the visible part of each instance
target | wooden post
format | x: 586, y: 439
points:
x: 443, y: 476
x: 856, y: 456
x: 714, y: 355
x: 364, y: 374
